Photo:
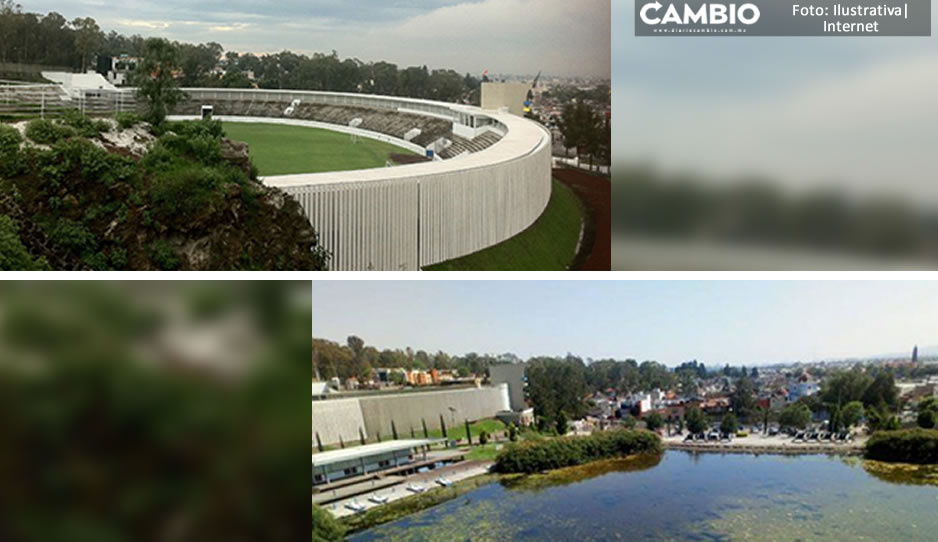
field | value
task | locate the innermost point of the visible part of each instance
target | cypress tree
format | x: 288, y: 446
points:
x: 361, y: 435
x: 341, y: 442
x: 426, y: 434
x: 468, y: 434
x: 393, y: 430
x: 318, y: 441
x: 443, y: 427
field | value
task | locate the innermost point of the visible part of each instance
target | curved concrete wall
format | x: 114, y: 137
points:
x: 409, y: 217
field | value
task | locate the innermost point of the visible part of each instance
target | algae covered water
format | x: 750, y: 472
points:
x: 685, y: 496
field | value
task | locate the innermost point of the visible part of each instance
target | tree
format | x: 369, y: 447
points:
x: 696, y: 420
x: 882, y: 390
x: 796, y: 415
x: 629, y: 421
x: 512, y: 432
x: 468, y: 433
x: 742, y: 400
x: 881, y: 419
x: 155, y: 81
x: 581, y: 128
x: 361, y: 435
x: 325, y: 527
x: 728, y: 424
x: 88, y: 37
x: 851, y: 414
x: 483, y: 438
x: 560, y: 423
x: 426, y: 434
x: 393, y: 430
x: 318, y: 442
x: 654, y: 421
x: 443, y: 427
x: 928, y: 413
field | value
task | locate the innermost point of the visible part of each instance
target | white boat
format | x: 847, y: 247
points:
x: 378, y: 499
x: 355, y: 506
x: 416, y: 488
x: 443, y: 482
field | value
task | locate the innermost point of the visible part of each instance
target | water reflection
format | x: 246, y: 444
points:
x: 683, y: 496
x: 582, y: 473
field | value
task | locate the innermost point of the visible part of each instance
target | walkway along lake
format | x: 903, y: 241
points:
x: 688, y: 496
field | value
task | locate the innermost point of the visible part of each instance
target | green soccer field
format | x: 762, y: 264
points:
x: 285, y: 150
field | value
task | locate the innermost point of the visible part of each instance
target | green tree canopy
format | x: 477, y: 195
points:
x: 155, y: 79
x: 796, y: 415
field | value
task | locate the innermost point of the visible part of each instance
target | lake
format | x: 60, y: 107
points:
x: 685, y: 496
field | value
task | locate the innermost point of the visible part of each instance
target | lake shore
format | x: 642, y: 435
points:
x: 760, y: 444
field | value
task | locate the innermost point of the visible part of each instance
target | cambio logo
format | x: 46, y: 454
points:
x: 705, y: 14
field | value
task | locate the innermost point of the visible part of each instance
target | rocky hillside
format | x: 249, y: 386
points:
x: 82, y: 194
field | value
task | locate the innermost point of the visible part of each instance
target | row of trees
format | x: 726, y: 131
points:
x: 52, y: 40
x: 356, y: 359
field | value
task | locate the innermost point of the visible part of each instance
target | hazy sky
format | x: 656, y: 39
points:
x: 505, y: 36
x: 749, y: 323
x: 855, y: 113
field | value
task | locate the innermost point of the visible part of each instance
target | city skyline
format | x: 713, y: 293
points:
x: 739, y: 323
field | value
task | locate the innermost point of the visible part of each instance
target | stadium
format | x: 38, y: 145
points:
x: 388, y: 183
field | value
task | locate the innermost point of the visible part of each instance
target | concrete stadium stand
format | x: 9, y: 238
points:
x: 408, y: 217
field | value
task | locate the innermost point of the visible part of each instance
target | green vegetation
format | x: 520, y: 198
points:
x: 654, y: 421
x: 546, y: 454
x: 490, y: 426
x: 13, y: 255
x: 928, y: 413
x: 486, y: 452
x: 325, y: 527
x: 904, y: 446
x: 796, y: 415
x: 156, y: 79
x: 183, y: 205
x: 284, y: 150
x: 728, y: 425
x: 412, y: 504
x: 550, y: 244
x: 697, y: 421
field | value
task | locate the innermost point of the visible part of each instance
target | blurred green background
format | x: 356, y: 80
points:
x: 152, y: 410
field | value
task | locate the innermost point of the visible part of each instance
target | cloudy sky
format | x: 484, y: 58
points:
x: 504, y: 36
x: 854, y: 113
x: 716, y: 322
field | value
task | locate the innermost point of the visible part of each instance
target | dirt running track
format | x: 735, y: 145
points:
x: 595, y: 191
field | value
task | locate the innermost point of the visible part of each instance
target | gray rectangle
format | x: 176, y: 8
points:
x: 784, y: 18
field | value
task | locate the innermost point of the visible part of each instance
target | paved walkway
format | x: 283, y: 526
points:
x: 780, y: 444
x: 453, y: 473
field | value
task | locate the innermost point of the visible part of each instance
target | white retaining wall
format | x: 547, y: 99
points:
x: 374, y: 413
x: 409, y: 217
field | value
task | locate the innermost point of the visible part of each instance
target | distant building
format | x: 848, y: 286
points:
x: 513, y: 375
x: 121, y: 69
x: 915, y: 354
x: 512, y: 96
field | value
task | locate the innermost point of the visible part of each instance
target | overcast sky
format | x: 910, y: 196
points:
x: 750, y: 323
x: 561, y: 37
x: 857, y: 114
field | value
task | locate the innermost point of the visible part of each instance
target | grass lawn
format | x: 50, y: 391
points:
x: 548, y: 245
x: 284, y: 150
x: 459, y: 431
